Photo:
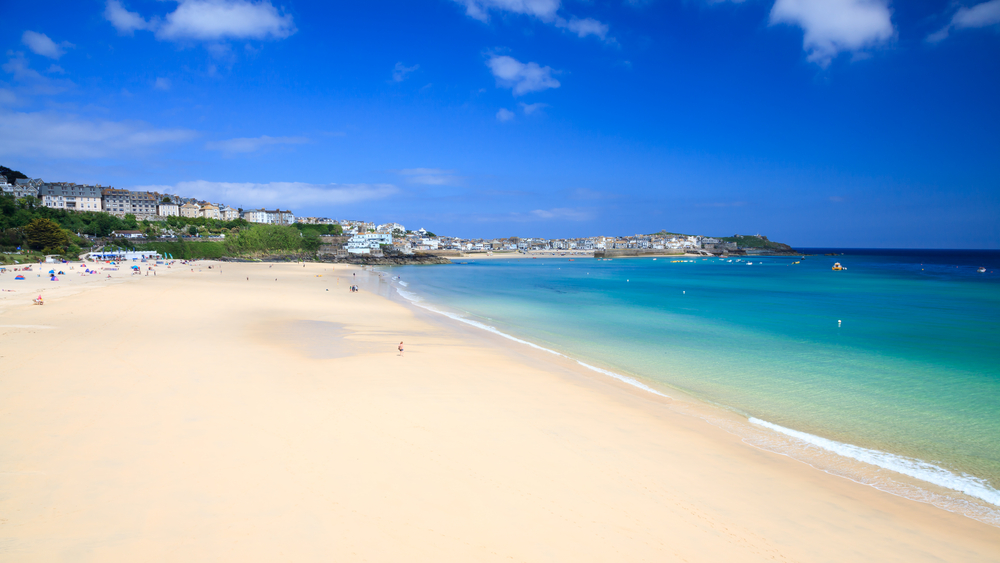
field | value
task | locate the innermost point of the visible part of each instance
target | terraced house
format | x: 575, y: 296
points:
x: 74, y: 197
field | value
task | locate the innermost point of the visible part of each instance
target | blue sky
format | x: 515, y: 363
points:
x: 816, y: 122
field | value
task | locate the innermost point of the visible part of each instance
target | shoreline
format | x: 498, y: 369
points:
x: 281, y: 423
x: 909, y: 478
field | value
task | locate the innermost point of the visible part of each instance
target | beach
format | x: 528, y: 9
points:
x: 258, y: 412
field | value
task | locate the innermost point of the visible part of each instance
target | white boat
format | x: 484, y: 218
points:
x: 981, y: 270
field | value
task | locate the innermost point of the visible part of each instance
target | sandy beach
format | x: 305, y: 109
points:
x: 258, y: 412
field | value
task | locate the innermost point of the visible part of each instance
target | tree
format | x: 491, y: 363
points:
x: 45, y: 233
x: 193, y: 230
x: 11, y: 175
x: 311, y: 241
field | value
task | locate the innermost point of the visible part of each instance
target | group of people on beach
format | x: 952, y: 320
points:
x: 354, y: 289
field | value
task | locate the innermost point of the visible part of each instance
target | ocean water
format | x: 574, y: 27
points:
x: 887, y: 372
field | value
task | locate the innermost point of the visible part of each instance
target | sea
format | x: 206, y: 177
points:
x: 886, y: 372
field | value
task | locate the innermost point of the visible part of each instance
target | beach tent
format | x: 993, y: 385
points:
x: 19, y: 277
x: 52, y: 271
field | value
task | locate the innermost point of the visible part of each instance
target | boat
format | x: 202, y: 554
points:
x: 981, y: 270
x: 837, y: 267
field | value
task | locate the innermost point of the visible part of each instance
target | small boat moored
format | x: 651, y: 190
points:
x: 837, y: 267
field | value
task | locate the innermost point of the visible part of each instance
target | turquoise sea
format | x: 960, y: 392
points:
x: 892, y: 364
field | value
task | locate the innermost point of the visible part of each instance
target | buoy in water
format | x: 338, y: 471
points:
x: 838, y: 322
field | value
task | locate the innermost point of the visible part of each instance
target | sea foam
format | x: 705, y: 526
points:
x: 417, y: 300
x: 922, y: 470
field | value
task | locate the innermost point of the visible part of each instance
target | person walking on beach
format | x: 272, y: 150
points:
x: 400, y: 348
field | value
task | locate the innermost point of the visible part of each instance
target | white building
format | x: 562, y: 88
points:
x: 20, y: 188
x: 366, y: 242
x: 278, y: 217
x: 255, y: 216
x: 168, y: 209
x: 227, y: 213
x: 73, y: 197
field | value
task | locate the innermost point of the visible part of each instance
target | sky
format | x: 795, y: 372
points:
x: 819, y: 123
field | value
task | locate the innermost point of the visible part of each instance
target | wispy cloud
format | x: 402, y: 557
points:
x: 40, y: 44
x: 273, y: 194
x: 834, y: 26
x: 537, y: 215
x: 583, y: 27
x: 56, y: 135
x: 400, y: 71
x: 529, y: 109
x: 981, y: 15
x: 504, y: 114
x: 722, y: 204
x: 31, y: 79
x: 252, y: 144
x: 544, y: 10
x: 162, y: 83
x: 126, y: 22
x: 207, y: 20
x: 430, y: 176
x: 521, y: 78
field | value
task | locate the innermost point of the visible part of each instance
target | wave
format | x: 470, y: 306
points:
x: 915, y: 468
x: 928, y: 472
x: 417, y: 300
x: 402, y: 283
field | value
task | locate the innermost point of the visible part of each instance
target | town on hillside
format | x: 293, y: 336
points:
x: 358, y: 237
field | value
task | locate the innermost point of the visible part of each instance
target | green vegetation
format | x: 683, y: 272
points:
x: 320, y: 230
x: 16, y: 214
x: 753, y: 241
x: 11, y: 175
x: 45, y: 235
x: 184, y: 250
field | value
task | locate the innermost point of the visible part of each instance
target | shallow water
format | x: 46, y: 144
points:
x: 897, y: 355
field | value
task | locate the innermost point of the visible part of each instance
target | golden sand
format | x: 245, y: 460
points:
x: 204, y: 416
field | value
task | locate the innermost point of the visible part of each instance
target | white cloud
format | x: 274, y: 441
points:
x: 278, y: 194
x: 40, y: 44
x: 162, y: 83
x: 980, y: 15
x: 430, y: 176
x: 7, y: 97
x: 124, y: 21
x: 211, y: 20
x: 253, y: 144
x: 584, y: 27
x: 532, y: 108
x: 556, y: 214
x: 504, y: 114
x: 17, y: 65
x: 545, y: 10
x: 54, y: 135
x: 834, y: 26
x: 400, y: 71
x: 207, y: 20
x: 566, y: 213
x: 521, y: 77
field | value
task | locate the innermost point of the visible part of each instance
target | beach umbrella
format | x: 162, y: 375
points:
x: 18, y: 277
x: 52, y: 271
x: 135, y: 267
